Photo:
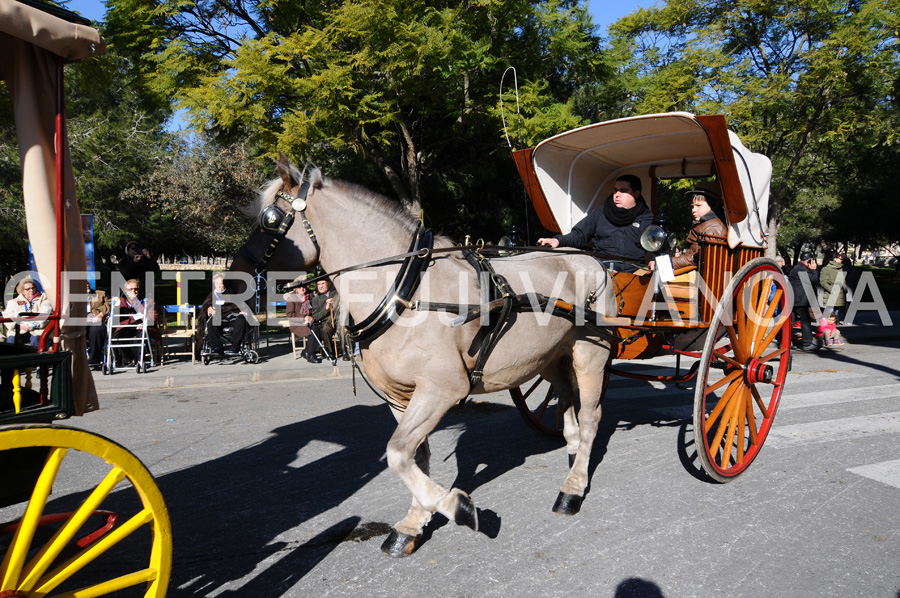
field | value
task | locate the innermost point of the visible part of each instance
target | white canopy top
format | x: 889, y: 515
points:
x: 577, y: 169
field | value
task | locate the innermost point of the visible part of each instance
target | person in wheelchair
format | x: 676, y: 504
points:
x: 222, y: 322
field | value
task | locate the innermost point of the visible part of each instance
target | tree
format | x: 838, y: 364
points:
x: 398, y: 95
x: 196, y: 200
x: 117, y: 139
x: 795, y: 79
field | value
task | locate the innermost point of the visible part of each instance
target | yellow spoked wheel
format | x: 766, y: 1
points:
x: 56, y: 557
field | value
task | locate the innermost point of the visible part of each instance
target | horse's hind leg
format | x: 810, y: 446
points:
x: 589, y: 364
x: 406, y: 458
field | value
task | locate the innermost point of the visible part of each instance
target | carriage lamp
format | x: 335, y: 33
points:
x: 654, y: 238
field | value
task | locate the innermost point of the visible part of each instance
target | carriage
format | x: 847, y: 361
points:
x: 546, y: 323
x: 728, y: 312
x: 107, y: 506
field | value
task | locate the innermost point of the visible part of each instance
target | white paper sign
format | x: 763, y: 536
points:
x: 664, y: 267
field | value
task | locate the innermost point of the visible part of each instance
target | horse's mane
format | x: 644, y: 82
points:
x: 379, y: 204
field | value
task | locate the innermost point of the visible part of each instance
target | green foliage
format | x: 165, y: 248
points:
x: 399, y: 96
x: 797, y: 80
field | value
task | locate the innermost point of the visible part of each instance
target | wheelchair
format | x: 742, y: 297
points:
x: 248, y: 347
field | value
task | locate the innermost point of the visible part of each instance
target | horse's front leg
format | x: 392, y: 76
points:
x: 590, y: 372
x: 407, y: 455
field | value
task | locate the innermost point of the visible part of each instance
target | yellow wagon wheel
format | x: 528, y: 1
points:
x: 56, y: 566
x: 743, y: 369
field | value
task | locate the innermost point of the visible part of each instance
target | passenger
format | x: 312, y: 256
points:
x: 215, y: 304
x: 615, y: 229
x: 28, y: 302
x: 704, y: 201
x: 805, y: 269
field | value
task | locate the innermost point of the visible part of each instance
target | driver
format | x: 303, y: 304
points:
x: 616, y: 228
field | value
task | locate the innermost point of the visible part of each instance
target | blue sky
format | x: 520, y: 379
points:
x: 604, y: 11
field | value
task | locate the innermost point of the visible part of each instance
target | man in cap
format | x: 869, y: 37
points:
x: 805, y: 270
x: 704, y: 199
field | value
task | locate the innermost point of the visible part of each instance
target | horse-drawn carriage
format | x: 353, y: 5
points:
x: 113, y: 510
x: 733, y: 291
x: 436, y: 322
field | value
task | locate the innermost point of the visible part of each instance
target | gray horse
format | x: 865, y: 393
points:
x: 421, y: 362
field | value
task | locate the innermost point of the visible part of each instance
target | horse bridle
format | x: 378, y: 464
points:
x: 276, y: 223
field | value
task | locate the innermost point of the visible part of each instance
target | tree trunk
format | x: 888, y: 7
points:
x: 375, y: 154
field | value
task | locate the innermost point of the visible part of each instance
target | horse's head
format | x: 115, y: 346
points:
x: 278, y: 208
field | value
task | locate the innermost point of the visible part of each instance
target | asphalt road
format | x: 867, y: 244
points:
x: 281, y: 488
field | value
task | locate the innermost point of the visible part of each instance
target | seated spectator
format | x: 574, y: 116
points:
x: 828, y: 330
x: 325, y: 313
x: 97, y: 313
x: 215, y: 313
x: 28, y: 302
x: 136, y: 312
x: 298, y: 309
x: 704, y: 201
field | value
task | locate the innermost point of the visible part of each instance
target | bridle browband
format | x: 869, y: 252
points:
x: 276, y: 223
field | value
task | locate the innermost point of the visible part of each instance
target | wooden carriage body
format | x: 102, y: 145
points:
x: 570, y: 174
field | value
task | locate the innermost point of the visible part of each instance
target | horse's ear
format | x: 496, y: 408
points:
x: 284, y: 171
x: 316, y: 180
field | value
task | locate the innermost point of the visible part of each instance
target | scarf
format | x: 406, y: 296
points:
x: 624, y: 216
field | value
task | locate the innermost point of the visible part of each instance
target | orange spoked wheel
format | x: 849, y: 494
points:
x: 743, y: 369
x: 69, y: 555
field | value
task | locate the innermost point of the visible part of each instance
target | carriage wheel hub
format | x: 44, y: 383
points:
x: 755, y: 372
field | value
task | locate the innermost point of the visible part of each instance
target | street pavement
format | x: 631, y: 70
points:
x: 276, y: 362
x: 279, y: 487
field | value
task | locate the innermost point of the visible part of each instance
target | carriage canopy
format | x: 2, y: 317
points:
x: 575, y: 171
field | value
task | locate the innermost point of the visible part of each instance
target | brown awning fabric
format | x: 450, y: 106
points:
x: 30, y: 41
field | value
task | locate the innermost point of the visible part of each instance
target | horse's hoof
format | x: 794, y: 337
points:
x: 567, y: 504
x: 465, y: 512
x: 399, y: 545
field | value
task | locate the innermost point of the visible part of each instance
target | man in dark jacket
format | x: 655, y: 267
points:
x: 805, y: 270
x: 324, y: 314
x: 615, y: 228
x: 216, y: 312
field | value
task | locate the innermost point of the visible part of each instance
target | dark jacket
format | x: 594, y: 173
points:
x: 708, y: 225
x: 227, y: 308
x: 137, y: 269
x: 835, y: 294
x: 623, y: 241
x: 799, y: 273
x: 320, y: 311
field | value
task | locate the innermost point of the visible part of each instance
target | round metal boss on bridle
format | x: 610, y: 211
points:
x: 271, y: 219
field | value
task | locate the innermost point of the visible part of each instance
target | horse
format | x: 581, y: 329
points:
x: 421, y: 363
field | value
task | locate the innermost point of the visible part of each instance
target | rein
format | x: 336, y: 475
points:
x: 498, y: 297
